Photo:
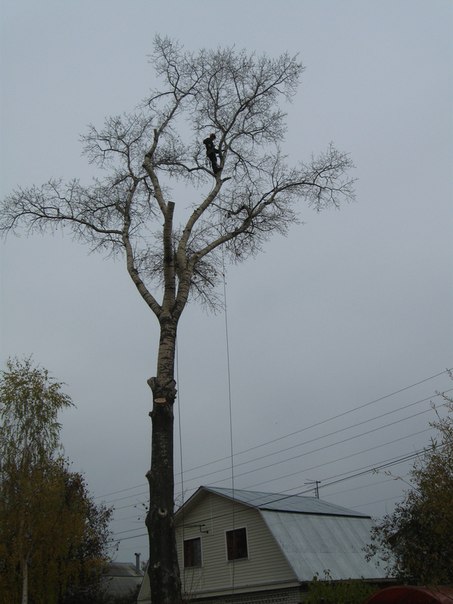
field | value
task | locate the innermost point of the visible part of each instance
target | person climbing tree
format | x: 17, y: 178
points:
x: 212, y: 152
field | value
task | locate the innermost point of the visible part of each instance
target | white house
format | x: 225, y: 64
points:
x: 247, y: 547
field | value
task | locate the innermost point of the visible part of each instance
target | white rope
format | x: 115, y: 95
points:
x: 230, y: 410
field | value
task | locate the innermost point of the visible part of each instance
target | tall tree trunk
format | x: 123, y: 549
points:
x: 163, y: 568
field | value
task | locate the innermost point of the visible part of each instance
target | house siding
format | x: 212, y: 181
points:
x: 210, y: 519
x: 291, y: 595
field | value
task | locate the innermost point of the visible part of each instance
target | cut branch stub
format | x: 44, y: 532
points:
x: 164, y: 392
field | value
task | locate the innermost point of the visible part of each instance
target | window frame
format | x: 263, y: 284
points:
x: 192, y: 540
x: 235, y: 530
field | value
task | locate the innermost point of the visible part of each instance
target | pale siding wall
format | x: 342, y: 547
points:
x: 210, y: 518
x: 291, y: 595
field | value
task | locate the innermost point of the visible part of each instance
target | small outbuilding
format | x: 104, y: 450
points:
x: 121, y: 580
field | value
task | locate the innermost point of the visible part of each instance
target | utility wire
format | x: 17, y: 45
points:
x: 277, y: 497
x: 316, y: 450
x: 327, y: 463
x: 343, y: 477
x: 316, y: 439
x: 296, y: 431
x: 329, y: 419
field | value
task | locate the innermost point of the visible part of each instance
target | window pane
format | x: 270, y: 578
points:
x: 192, y: 552
x: 237, y: 544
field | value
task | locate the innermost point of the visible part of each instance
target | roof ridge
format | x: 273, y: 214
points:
x: 288, y: 502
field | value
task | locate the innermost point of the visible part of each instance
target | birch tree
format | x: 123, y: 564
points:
x: 53, y: 537
x: 160, y: 205
x: 29, y: 441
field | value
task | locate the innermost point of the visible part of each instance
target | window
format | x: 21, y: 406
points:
x: 237, y: 544
x: 192, y: 552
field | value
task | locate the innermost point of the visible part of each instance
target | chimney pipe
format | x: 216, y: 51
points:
x: 137, y: 563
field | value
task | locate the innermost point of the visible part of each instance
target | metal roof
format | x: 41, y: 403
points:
x: 285, y: 503
x: 320, y: 543
x: 122, y: 579
x: 315, y: 536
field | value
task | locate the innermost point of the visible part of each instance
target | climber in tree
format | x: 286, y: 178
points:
x: 212, y: 152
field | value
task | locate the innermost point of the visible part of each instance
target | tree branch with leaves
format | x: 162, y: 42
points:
x: 53, y: 537
x: 415, y: 541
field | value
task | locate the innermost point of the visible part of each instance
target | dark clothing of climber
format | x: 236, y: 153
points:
x: 212, y: 152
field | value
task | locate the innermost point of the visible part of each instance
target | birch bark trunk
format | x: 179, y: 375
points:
x: 163, y: 569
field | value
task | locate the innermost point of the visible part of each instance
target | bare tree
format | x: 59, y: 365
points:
x: 131, y: 211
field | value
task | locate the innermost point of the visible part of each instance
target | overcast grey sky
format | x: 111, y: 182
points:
x: 350, y: 307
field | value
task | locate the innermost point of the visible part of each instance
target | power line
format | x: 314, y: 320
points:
x: 316, y: 450
x: 276, y: 497
x: 205, y: 475
x: 135, y: 504
x: 377, y: 501
x: 295, y: 432
x: 363, y: 486
x: 319, y: 423
x: 327, y: 463
x: 342, y: 477
x: 345, y: 476
x: 137, y: 486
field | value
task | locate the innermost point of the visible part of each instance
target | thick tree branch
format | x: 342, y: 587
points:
x: 169, y: 264
x: 130, y: 260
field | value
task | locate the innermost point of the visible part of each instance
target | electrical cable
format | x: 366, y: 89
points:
x: 348, y: 476
x: 321, y: 422
x: 330, y: 462
x: 316, y: 450
x: 276, y: 497
x: 297, y: 431
x: 205, y: 475
x: 343, y: 477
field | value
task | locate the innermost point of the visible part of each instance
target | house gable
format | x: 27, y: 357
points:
x: 209, y: 519
x: 282, y: 542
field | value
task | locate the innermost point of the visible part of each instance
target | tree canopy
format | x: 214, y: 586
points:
x: 143, y: 154
x: 174, y: 216
x: 53, y: 537
x: 416, y: 539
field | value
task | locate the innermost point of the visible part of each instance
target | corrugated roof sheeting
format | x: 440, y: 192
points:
x: 122, y: 579
x: 316, y: 544
x: 285, y: 503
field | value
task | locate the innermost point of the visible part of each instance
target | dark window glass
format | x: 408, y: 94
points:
x: 237, y: 544
x: 192, y: 552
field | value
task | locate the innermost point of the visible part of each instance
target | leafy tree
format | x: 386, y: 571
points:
x: 416, y: 540
x: 53, y: 538
x: 328, y: 591
x: 225, y: 212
